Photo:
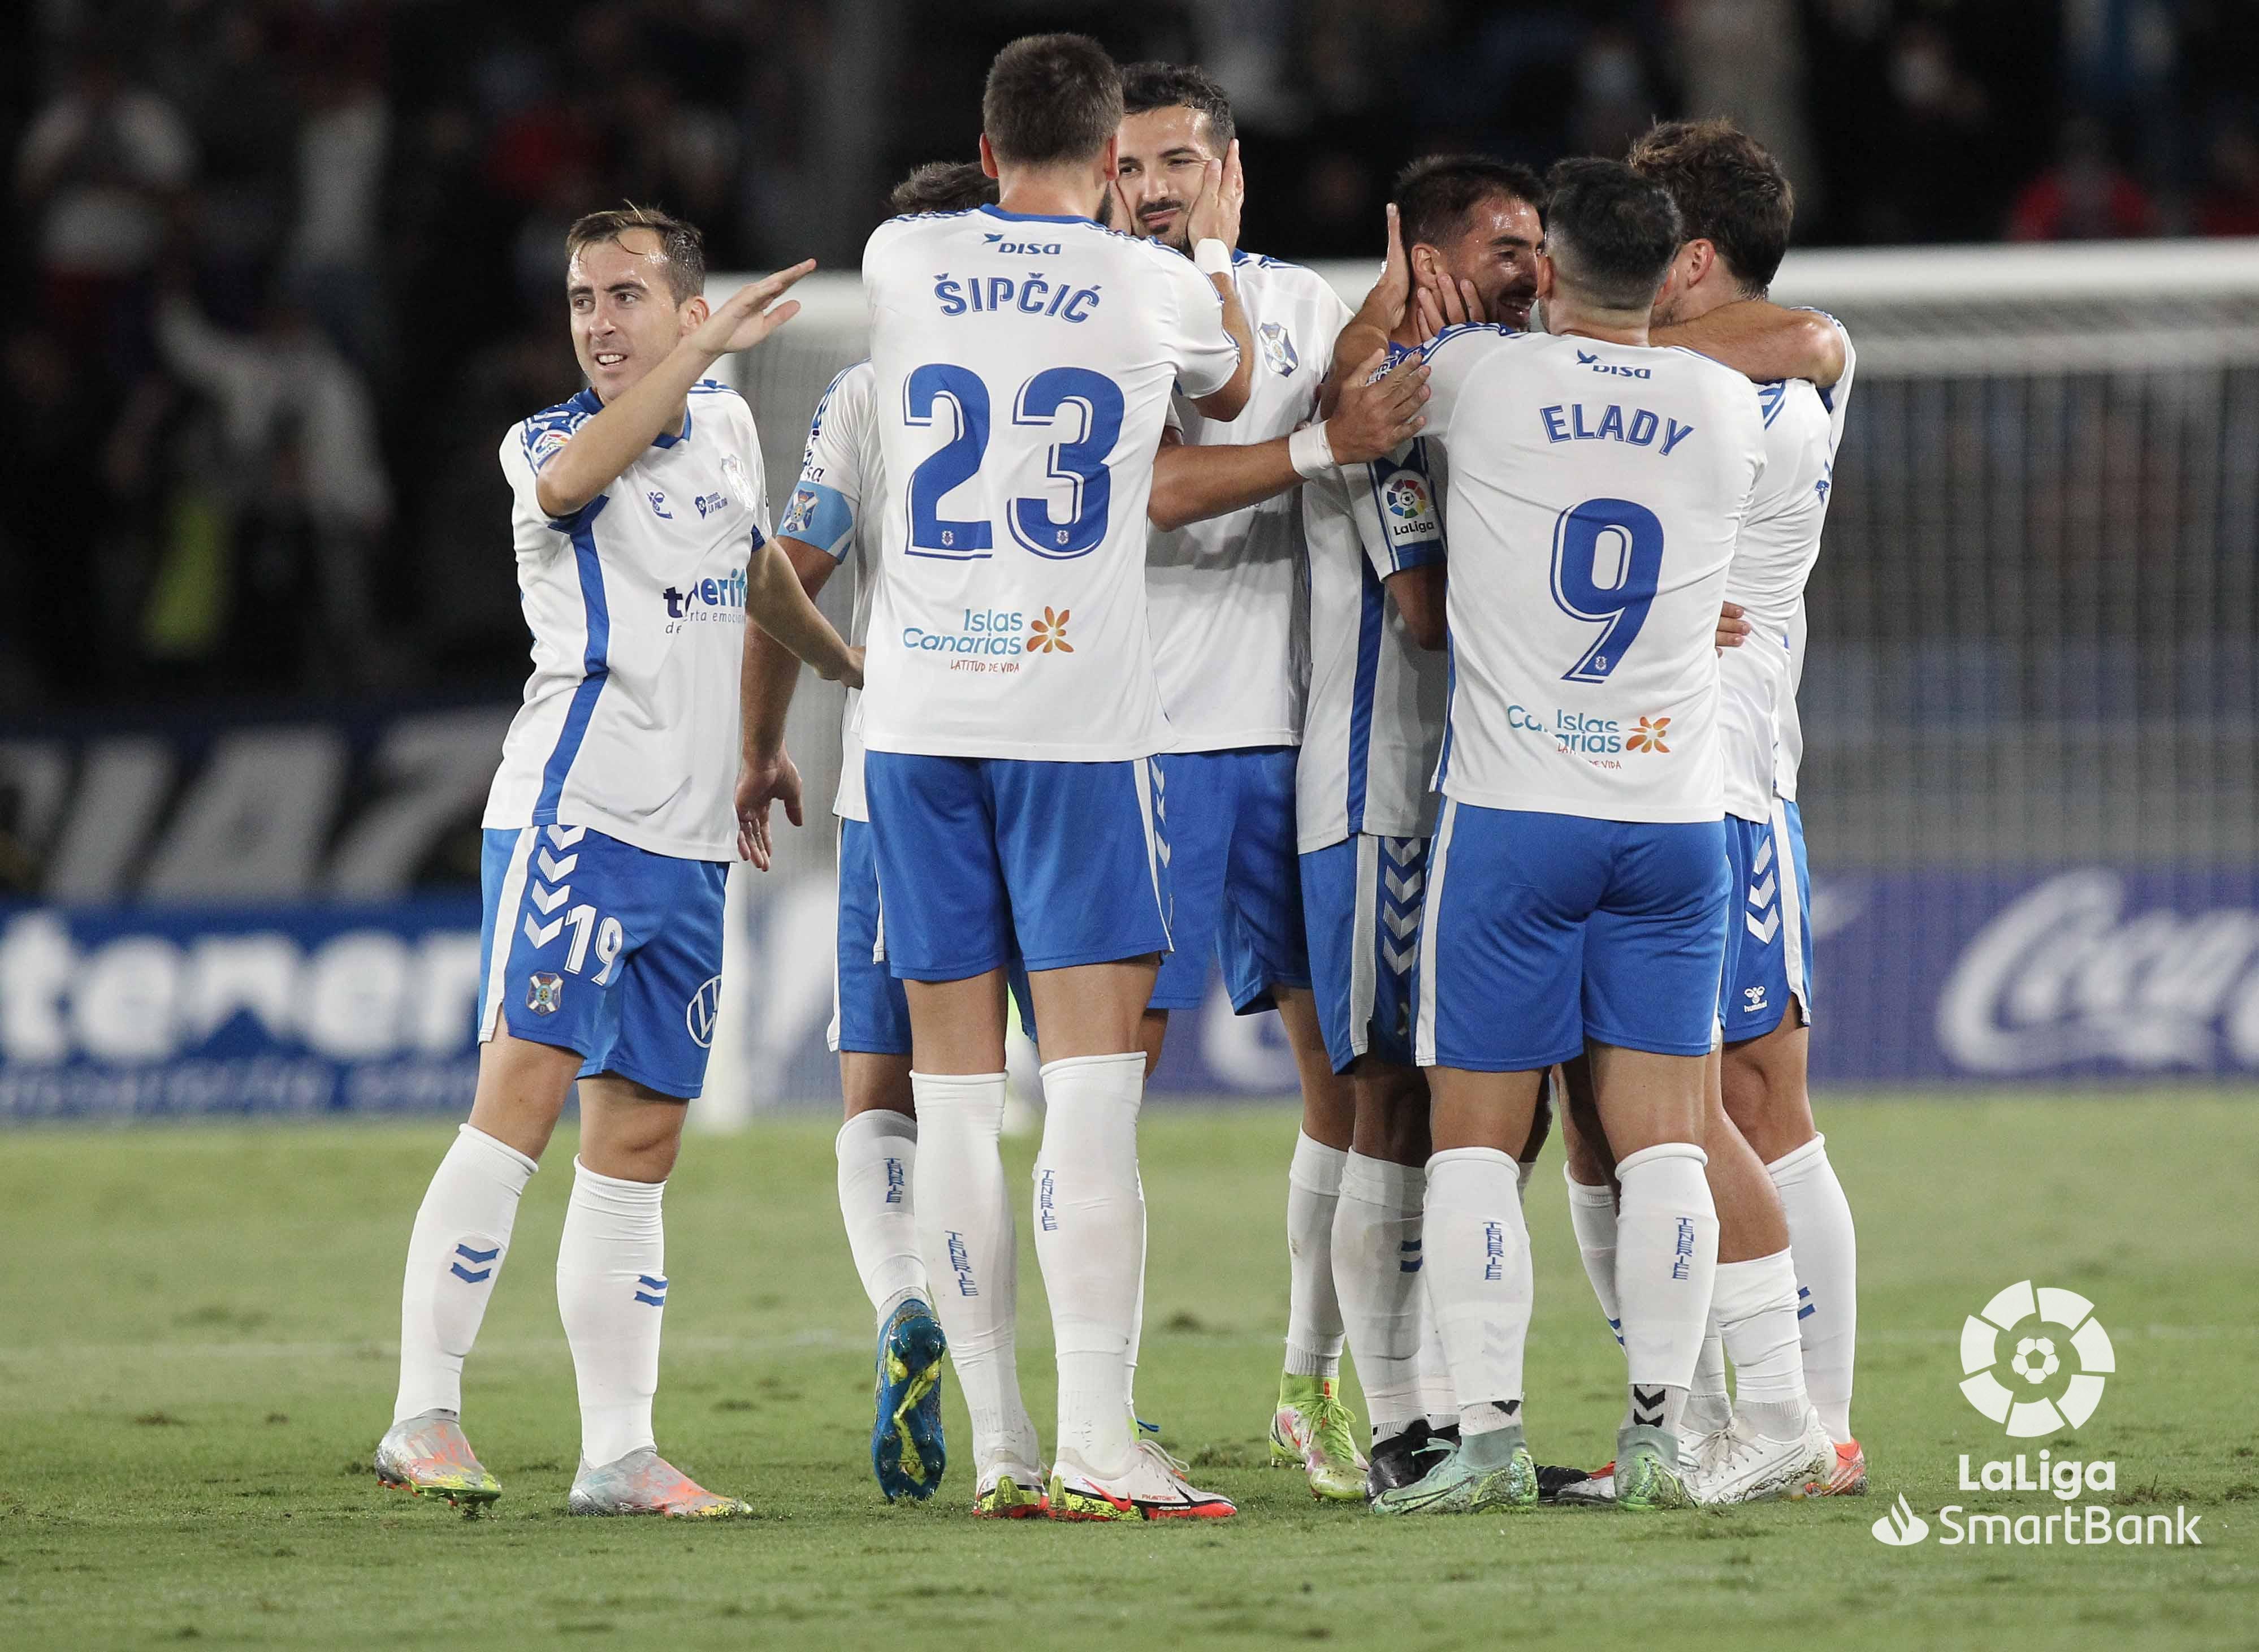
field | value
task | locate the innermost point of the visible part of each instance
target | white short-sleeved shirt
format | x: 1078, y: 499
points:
x: 1375, y: 711
x: 843, y: 487
x: 1227, y: 595
x: 637, y: 602
x: 1773, y: 559
x: 1596, y: 490
x: 1788, y: 751
x: 1021, y: 368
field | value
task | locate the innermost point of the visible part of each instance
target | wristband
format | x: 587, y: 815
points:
x: 1309, y: 453
x: 1212, y: 257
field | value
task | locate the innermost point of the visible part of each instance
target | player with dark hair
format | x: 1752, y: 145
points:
x: 1576, y: 888
x: 1786, y: 1304
x: 1025, y: 357
x: 1224, y: 596
x: 835, y: 510
x: 641, y: 530
x: 1470, y: 227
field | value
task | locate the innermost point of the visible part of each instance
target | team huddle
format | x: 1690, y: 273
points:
x: 1430, y: 667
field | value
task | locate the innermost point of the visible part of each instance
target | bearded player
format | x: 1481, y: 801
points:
x: 1226, y: 605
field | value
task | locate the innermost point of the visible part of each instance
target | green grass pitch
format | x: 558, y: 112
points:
x: 195, y: 1359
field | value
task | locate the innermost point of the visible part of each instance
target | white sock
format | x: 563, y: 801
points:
x: 611, y: 1293
x: 1666, y: 1263
x: 1377, y: 1265
x: 1754, y: 1308
x: 1708, y: 1407
x: 1478, y: 1271
x: 1137, y: 1318
x: 455, y: 1253
x: 1439, y: 1401
x: 878, y: 1161
x: 965, y: 1235
x: 1090, y: 1239
x: 1313, y: 1313
x: 1592, y: 1214
x: 1826, y: 1249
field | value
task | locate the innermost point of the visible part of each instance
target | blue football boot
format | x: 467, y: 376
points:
x: 906, y: 1453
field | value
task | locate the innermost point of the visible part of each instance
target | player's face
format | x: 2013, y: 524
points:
x: 1165, y: 156
x: 1498, y: 251
x: 624, y: 316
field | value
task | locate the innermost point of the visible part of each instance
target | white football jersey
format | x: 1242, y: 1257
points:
x: 1022, y: 370
x: 1788, y: 749
x: 1227, y: 595
x: 1377, y: 697
x: 842, y: 487
x: 1773, y: 560
x: 637, y: 602
x: 1595, y: 493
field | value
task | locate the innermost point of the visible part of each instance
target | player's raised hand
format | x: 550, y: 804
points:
x: 760, y: 782
x: 1384, y: 305
x: 1214, y: 214
x: 1732, y: 627
x: 1378, y: 412
x: 751, y: 313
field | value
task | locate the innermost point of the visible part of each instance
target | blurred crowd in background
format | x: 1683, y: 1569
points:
x: 291, y: 267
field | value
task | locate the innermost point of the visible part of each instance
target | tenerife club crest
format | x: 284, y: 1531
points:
x: 1278, y: 348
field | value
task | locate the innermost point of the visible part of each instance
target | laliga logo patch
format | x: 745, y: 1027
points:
x: 2037, y: 1356
x: 547, y: 445
x: 1278, y: 347
x: 545, y: 993
x: 700, y: 1014
x: 1407, y: 497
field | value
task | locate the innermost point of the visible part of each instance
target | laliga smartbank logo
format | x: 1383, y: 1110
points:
x: 2035, y: 1361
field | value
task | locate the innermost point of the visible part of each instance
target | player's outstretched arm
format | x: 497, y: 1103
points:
x: 1215, y: 217
x: 608, y: 443
x: 777, y: 601
x: 766, y: 682
x: 1762, y: 340
x: 1376, y: 415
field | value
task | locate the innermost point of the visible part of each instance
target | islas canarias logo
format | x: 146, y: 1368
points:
x: 1647, y: 736
x: 1047, y: 635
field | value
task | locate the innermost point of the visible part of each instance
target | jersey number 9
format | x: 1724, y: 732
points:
x: 1630, y: 538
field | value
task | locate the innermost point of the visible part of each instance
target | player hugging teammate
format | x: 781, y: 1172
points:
x: 1435, y: 677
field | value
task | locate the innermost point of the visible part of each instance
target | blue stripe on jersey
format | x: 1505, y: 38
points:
x: 594, y: 667
x: 1451, y: 707
x: 1772, y: 395
x: 1371, y: 620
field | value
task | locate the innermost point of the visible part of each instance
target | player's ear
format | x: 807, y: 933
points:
x: 694, y: 314
x: 1110, y: 159
x: 1544, y: 274
x: 988, y: 158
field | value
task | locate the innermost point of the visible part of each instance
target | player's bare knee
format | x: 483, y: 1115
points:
x: 873, y: 1083
x: 1765, y: 1090
x: 522, y: 1086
